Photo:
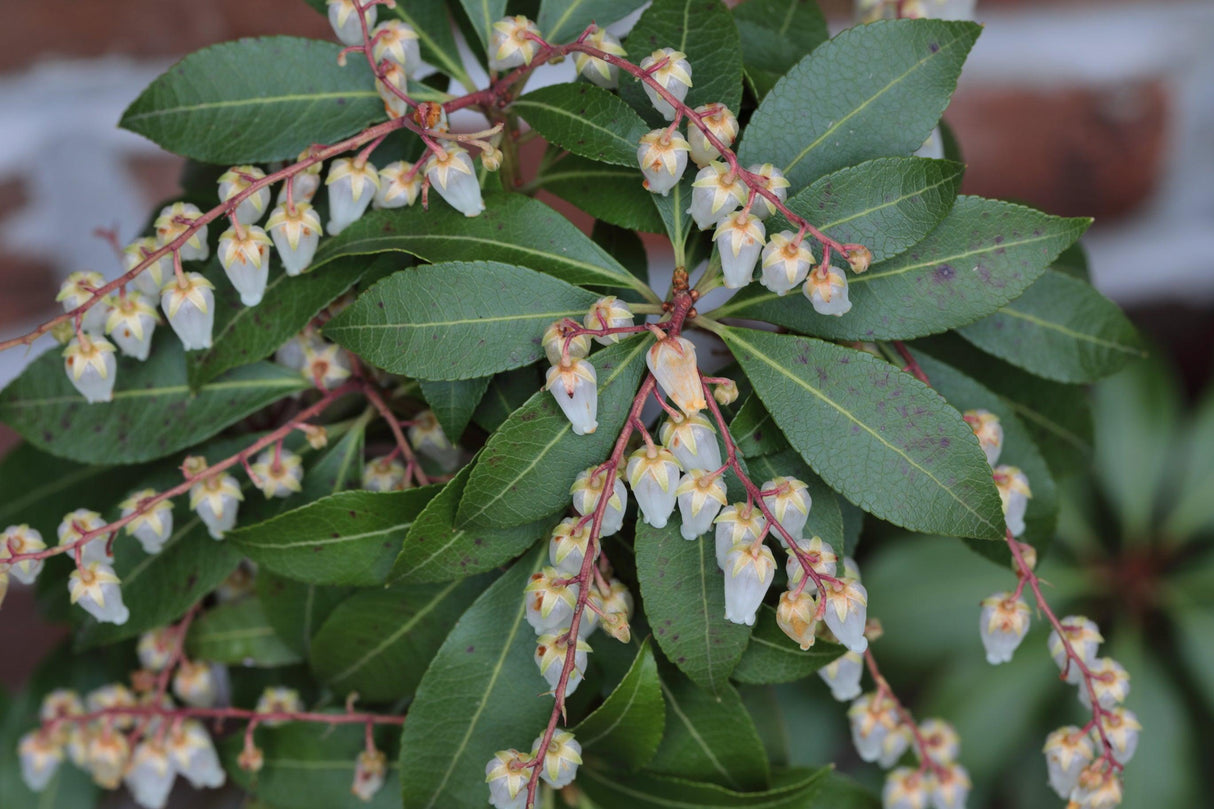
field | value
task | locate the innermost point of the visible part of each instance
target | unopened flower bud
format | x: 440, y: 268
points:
x: 557, y: 336
x: 797, y: 615
x: 74, y: 526
x: 305, y: 184
x: 370, y: 768
x: 716, y: 193
x: 786, y: 262
x: 278, y: 700
x: 739, y: 239
x: 617, y: 609
x: 491, y: 159
x: 599, y: 71
x: 826, y: 289
x: 550, y: 652
x: 674, y: 76
x: 561, y: 759
x: 194, y: 684
x: 1028, y: 554
x: 63, y: 332
x: 450, y: 173
x: 662, y: 156
x: 251, y: 759
x: 151, y: 775
x: 40, y: 757
x: 693, y: 441
x: 399, y: 185
x: 352, y: 185
x: 189, y: 304
x: 587, y: 489
x: 131, y: 322
x: 672, y: 361
x: 846, y: 612
x: 725, y: 392
x: 608, y: 313
x: 91, y: 367
x: 951, y: 788
x: 95, y: 588
x: 78, y: 289
x: 512, y: 43
x: 737, y: 523
x: 700, y: 495
x: 17, y: 540
x: 721, y: 123
x: 174, y: 220
x: 343, y: 16
x: 1002, y: 624
x: 238, y: 179
x: 1014, y: 492
x: 296, y: 234
x: 907, y: 788
x: 820, y: 557
x: 773, y: 180
x: 574, y: 385
x: 383, y: 475
x: 1068, y: 751
x: 391, y: 88
x: 507, y: 775
x: 153, y: 525
x: 1085, y: 639
x: 1110, y: 681
x: 988, y: 430
x: 150, y: 280
x: 653, y: 474
x: 193, y: 755
x: 859, y: 257
x: 216, y: 500
x: 789, y: 504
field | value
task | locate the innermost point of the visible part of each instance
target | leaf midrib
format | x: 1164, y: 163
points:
x: 259, y: 101
x: 587, y: 122
x: 1074, y: 335
x: 432, y: 324
x: 695, y: 734
x: 325, y: 541
x: 173, y: 390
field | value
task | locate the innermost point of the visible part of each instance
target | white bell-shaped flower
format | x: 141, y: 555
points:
x: 693, y: 440
x: 95, y: 588
x: 326, y: 364
x: 216, y: 500
x: 1068, y: 750
x: 78, y: 289
x: 155, y: 649
x: 716, y: 193
x: 153, y: 525
x: 393, y: 87
x: 896, y: 743
x: 826, y: 289
x: 17, y: 540
x: 1098, y: 787
x: 789, y: 504
x: 278, y: 473
x: 450, y: 173
x: 608, y: 313
x: 397, y: 42
x: 399, y: 185
x: 595, y: 70
x: 586, y: 491
x: 296, y: 234
x: 237, y: 180
x: 872, y: 718
x: 293, y: 353
x: 700, y: 496
x: 797, y: 616
x: 843, y: 675
x: 1122, y: 727
x: 846, y: 612
x: 550, y: 652
x: 352, y: 185
x: 574, y: 385
x: 662, y: 156
x: 343, y: 16
x: 370, y: 770
x: 721, y: 123
x: 653, y: 474
x: 174, y: 220
x: 75, y: 525
x: 91, y: 367
x: 672, y: 361
x: 951, y: 788
x: 245, y: 258
x: 1002, y: 624
x: 786, y: 261
x: 113, y: 697
x: 561, y: 759
x: 773, y: 180
x: 59, y: 703
x: 40, y: 756
x: 151, y: 775
x: 988, y: 430
x: 304, y: 184
x: 568, y: 544
x: 820, y: 557
x: 561, y: 341
x: 907, y: 788
x: 278, y: 700
x: 383, y: 475
x: 427, y: 437
x: 107, y: 754
x: 1110, y: 681
x: 941, y: 741
x: 1085, y: 639
x: 507, y: 775
x: 189, y: 304
x: 674, y: 75
x: 512, y: 43
x: 739, y: 239
x: 737, y: 523
x: 149, y: 281
x: 131, y: 322
x: 550, y: 601
x: 1013, y: 486
x: 193, y: 755
x: 749, y: 570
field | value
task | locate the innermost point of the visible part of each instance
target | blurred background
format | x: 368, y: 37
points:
x: 1078, y: 107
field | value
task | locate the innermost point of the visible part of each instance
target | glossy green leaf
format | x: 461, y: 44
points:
x: 1073, y: 261
x: 684, y: 595
x: 345, y: 538
x: 482, y: 693
x: 483, y: 14
x: 775, y: 35
x: 436, y: 550
x: 513, y: 229
x: 309, y: 766
x: 1061, y: 328
x: 796, y: 790
x: 611, y: 193
x: 873, y: 91
x: 527, y: 466
x: 981, y: 256
x: 880, y: 437
x: 563, y: 20
x: 379, y: 642
x: 755, y: 431
x: 625, y: 245
x: 627, y: 728
x: 507, y: 393
x: 771, y: 657
x: 838, y: 791
x: 255, y: 100
x: 238, y: 634
x: 706, y: 33
x: 887, y: 205
x: 297, y: 610
x: 454, y: 401
x: 676, y: 218
x: 45, y: 409
x: 586, y: 120
x: 456, y: 320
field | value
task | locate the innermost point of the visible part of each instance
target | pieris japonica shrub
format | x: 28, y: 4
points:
x: 374, y: 478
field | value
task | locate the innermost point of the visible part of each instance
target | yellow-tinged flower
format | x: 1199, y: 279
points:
x: 672, y: 361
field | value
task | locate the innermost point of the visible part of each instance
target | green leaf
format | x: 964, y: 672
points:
x: 1073, y: 261
x: 345, y: 538
x: 46, y: 410
x: 796, y: 790
x: 771, y: 657
x: 454, y: 401
x: 887, y: 205
x: 563, y: 20
x: 610, y: 193
x: 483, y: 14
x: 238, y: 634
x: 873, y: 91
x: 676, y: 218
x: 297, y: 610
x: 883, y: 439
x: 684, y: 595
x: 755, y: 431
x: 627, y: 728
x: 527, y: 466
x: 432, y: 23
x: 1194, y: 626
x: 507, y: 393
x: 481, y: 693
x: 981, y: 256
x: 709, y: 737
x: 840, y: 792
x: 625, y: 245
x: 456, y: 320
x: 379, y: 642
x: 514, y: 229
x: 256, y: 100
x: 775, y: 35
x: 706, y: 33
x: 308, y: 766
x: 586, y: 120
x: 1061, y: 328
x: 1192, y: 509
x: 244, y: 334
x: 436, y: 550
